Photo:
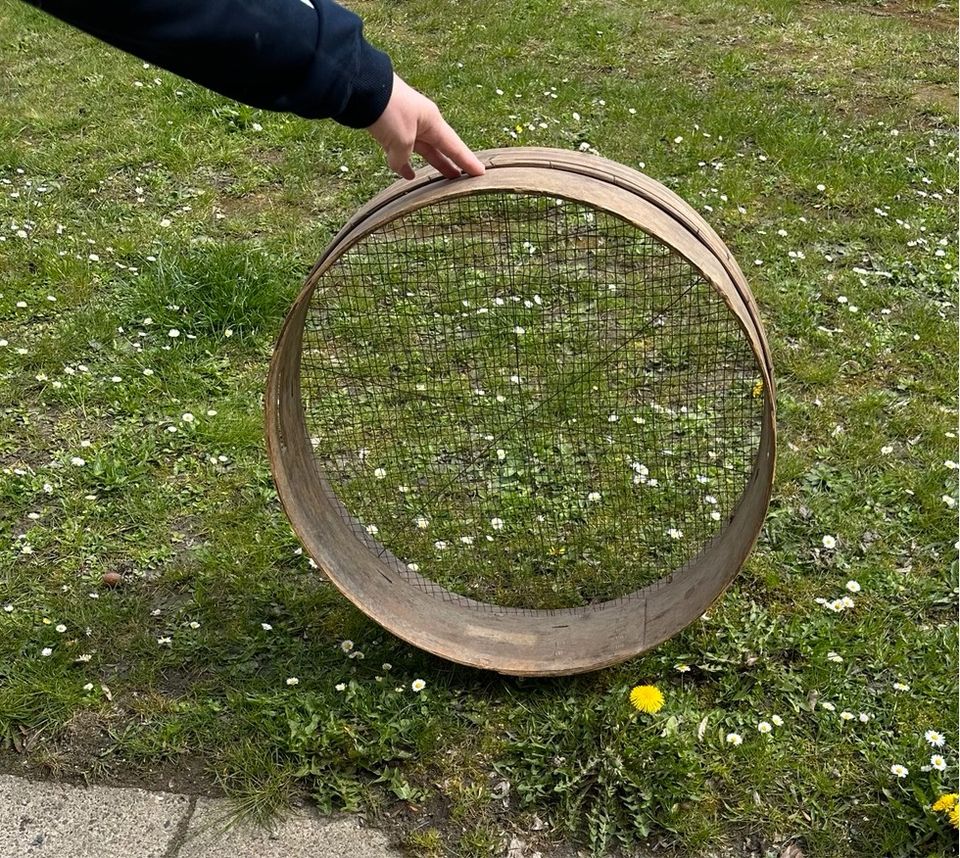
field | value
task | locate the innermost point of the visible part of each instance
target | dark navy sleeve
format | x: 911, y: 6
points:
x: 297, y: 56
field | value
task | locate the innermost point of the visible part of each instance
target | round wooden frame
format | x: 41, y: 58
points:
x: 532, y: 642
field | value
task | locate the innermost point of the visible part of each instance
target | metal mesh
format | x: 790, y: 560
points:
x: 527, y: 402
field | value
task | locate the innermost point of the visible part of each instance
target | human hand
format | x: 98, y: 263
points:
x: 412, y: 123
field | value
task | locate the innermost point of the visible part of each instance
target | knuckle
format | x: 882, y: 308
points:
x: 432, y: 111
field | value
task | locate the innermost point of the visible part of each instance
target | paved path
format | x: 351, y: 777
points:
x: 53, y: 820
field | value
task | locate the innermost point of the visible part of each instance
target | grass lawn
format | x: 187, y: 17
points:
x: 152, y: 235
x: 522, y: 422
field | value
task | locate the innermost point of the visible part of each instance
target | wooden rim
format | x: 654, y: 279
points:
x: 533, y: 642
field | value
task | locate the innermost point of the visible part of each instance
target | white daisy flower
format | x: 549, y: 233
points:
x: 829, y: 542
x: 293, y: 680
x: 934, y: 739
x: 266, y: 627
x: 853, y: 586
x: 593, y: 497
x: 777, y: 720
x: 418, y: 685
x: 900, y: 686
x: 846, y: 716
x: 422, y: 522
x: 496, y: 523
x: 939, y: 763
x: 899, y: 771
x: 60, y: 627
x: 346, y: 645
x: 764, y: 727
x: 675, y: 533
x: 380, y: 473
x: 46, y: 651
x: 340, y: 686
x: 734, y: 739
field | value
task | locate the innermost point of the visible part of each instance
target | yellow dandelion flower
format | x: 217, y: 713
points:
x: 954, y: 816
x: 646, y: 698
x: 946, y: 802
x: 758, y: 388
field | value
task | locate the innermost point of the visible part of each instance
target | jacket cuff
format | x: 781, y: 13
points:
x: 371, y: 89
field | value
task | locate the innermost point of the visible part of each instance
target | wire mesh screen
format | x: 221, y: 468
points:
x: 528, y: 403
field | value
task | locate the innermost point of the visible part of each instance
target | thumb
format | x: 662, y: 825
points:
x: 398, y: 158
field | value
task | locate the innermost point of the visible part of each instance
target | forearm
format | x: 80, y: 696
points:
x: 308, y: 58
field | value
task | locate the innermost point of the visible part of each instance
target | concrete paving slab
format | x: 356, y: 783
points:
x: 51, y: 820
x: 305, y: 834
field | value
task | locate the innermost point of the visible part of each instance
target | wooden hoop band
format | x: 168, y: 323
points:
x: 539, y: 643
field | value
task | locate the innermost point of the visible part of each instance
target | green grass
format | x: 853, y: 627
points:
x: 163, y: 202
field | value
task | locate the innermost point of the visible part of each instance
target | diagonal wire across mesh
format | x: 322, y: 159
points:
x: 526, y: 403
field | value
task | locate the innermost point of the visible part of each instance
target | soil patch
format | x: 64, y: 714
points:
x: 82, y: 753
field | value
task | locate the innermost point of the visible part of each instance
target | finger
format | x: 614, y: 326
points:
x: 398, y: 158
x: 446, y: 141
x: 437, y: 159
